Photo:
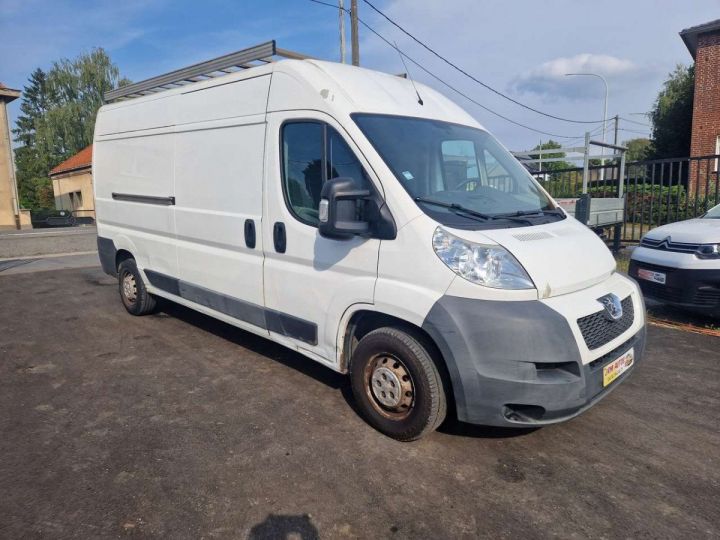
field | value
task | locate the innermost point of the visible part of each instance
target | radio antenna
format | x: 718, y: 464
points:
x: 420, y: 101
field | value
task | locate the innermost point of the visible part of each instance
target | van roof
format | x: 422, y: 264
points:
x: 338, y: 88
x: 367, y: 90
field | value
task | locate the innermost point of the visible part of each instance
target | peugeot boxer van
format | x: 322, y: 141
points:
x: 383, y: 234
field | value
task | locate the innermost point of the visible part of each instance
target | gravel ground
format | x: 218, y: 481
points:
x: 176, y: 425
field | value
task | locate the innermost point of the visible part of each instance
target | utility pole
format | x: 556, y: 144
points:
x: 617, y: 119
x: 354, y: 33
x: 341, y: 6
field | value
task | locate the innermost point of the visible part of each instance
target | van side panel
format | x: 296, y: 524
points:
x: 128, y: 167
x: 238, y: 98
x: 219, y: 150
x: 136, y: 116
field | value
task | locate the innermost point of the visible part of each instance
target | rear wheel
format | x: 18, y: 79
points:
x: 396, y: 384
x: 134, y: 295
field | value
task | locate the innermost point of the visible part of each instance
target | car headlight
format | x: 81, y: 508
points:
x: 492, y: 266
x: 708, y: 251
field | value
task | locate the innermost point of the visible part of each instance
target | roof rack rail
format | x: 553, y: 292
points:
x: 244, y: 59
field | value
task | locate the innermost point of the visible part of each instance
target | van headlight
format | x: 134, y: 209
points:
x: 492, y: 266
x: 708, y: 251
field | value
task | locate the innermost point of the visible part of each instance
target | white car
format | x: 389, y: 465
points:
x: 679, y: 263
x: 327, y: 208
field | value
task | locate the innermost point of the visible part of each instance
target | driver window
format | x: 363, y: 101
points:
x: 460, y: 165
x: 312, y: 153
x: 302, y: 168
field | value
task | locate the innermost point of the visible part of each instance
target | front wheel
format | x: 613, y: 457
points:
x: 396, y: 384
x: 133, y: 293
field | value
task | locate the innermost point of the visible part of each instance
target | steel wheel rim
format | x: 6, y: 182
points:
x: 389, y: 386
x: 129, y: 287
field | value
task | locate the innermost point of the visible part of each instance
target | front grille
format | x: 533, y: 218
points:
x: 597, y: 329
x: 667, y: 245
x: 707, y: 296
x: 663, y: 292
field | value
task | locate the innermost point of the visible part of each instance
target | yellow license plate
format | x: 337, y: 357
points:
x: 617, y: 367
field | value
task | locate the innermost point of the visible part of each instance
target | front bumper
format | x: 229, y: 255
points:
x: 696, y: 289
x: 557, y: 394
x: 524, y: 363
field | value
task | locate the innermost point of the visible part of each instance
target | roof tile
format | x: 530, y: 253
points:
x: 80, y: 160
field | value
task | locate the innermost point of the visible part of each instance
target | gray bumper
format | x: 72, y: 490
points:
x: 517, y: 363
x: 107, y: 254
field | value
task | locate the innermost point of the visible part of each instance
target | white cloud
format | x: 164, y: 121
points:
x: 589, y: 63
x: 549, y: 80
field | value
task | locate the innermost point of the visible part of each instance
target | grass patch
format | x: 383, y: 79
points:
x: 622, y: 258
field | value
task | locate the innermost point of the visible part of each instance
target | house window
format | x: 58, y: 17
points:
x: 76, y: 201
x: 717, y: 151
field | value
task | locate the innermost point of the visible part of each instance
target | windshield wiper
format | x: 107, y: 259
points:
x: 553, y: 212
x: 455, y: 207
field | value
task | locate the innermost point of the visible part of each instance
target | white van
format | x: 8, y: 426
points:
x: 328, y: 208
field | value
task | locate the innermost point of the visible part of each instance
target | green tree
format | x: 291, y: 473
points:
x: 32, y: 165
x: 58, y: 118
x: 637, y: 149
x: 553, y: 165
x: 77, y: 88
x: 672, y: 115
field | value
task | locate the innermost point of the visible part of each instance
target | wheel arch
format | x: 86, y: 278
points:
x: 115, y: 249
x: 363, y: 321
x: 122, y: 255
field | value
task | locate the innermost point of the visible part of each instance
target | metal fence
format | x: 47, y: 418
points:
x: 657, y: 192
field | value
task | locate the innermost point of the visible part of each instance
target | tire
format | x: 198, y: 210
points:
x: 387, y: 359
x: 134, y: 295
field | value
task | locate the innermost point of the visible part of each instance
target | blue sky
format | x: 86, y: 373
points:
x: 522, y: 47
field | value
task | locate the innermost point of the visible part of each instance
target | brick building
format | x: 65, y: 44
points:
x: 703, y: 42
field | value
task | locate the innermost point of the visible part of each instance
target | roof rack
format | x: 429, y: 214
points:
x: 258, y: 55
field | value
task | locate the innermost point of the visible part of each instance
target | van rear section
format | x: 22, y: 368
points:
x: 323, y: 207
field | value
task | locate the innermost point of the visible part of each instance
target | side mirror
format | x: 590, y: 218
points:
x: 338, y: 211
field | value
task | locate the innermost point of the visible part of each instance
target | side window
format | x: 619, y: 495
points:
x: 302, y: 168
x: 460, y: 165
x: 313, y: 153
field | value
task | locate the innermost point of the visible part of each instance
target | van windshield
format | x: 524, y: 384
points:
x: 458, y: 175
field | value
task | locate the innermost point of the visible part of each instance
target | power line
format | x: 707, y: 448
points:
x: 440, y: 80
x: 448, y: 85
x: 485, y: 85
x: 633, y: 131
x: 635, y: 122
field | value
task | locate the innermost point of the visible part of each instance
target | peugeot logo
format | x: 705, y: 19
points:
x: 612, y: 305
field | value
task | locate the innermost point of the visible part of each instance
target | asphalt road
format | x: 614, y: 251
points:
x: 33, y: 242
x: 176, y: 425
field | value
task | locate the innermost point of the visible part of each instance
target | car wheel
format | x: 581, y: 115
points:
x: 396, y: 384
x: 133, y: 293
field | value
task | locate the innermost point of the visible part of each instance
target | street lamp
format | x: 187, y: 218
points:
x: 602, y: 161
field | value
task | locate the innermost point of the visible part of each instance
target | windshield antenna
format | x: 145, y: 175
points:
x: 420, y: 101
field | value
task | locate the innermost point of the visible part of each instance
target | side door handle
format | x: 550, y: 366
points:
x: 250, y: 233
x: 279, y: 237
